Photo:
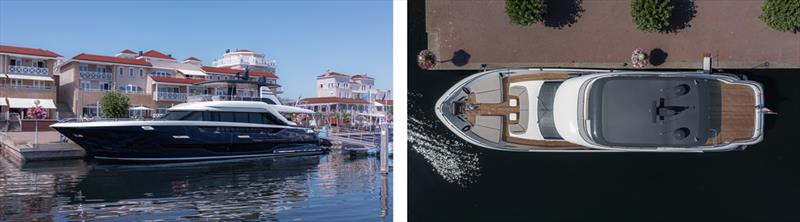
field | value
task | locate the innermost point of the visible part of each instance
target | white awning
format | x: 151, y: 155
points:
x: 140, y: 108
x: 377, y: 104
x: 30, y: 77
x: 3, y: 101
x: 190, y: 72
x: 290, y: 109
x: 25, y: 103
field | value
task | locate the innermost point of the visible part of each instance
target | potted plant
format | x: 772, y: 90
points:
x: 651, y: 15
x: 639, y: 58
x: 36, y: 112
x: 426, y: 60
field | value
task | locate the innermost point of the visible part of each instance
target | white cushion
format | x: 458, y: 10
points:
x: 512, y: 102
x: 512, y: 116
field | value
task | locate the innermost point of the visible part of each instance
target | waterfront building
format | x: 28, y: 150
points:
x: 153, y: 81
x: 27, y: 75
x: 355, y: 95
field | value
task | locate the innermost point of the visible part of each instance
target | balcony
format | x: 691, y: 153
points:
x: 244, y: 61
x: 28, y: 70
x: 19, y: 86
x: 171, y: 96
x: 89, y: 75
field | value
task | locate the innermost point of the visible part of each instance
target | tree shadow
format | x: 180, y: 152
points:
x: 561, y: 13
x: 683, y: 12
x: 460, y: 58
x: 657, y: 57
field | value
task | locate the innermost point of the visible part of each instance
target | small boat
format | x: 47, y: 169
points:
x: 197, y: 131
x: 573, y: 110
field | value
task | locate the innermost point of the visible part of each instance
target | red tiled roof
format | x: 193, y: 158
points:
x: 361, y: 77
x: 192, y: 58
x: 28, y: 51
x: 157, y: 54
x: 267, y: 74
x: 111, y: 59
x: 127, y: 51
x: 318, y: 100
x: 332, y: 74
x: 175, y: 80
x: 244, y: 50
x: 221, y: 70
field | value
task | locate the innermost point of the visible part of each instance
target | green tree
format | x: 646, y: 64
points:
x: 782, y: 15
x: 525, y: 12
x: 651, y: 15
x: 114, y: 105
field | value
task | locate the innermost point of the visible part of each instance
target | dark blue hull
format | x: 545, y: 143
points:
x: 188, y: 143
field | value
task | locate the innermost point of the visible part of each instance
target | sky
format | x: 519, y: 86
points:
x: 305, y: 37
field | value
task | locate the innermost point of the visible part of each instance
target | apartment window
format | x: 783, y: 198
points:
x: 130, y: 72
x: 84, y: 68
x: 39, y: 64
x: 330, y: 85
x: 14, y: 62
x: 16, y: 83
x: 141, y: 73
x: 85, y: 85
x: 38, y: 84
x: 121, y: 71
x: 321, y: 85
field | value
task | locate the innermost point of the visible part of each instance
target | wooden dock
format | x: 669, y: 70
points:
x: 20, y: 147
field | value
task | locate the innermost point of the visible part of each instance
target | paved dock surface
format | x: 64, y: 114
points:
x: 467, y: 33
x: 21, y: 147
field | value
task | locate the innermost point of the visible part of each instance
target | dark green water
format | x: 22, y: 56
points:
x: 451, y: 180
x: 332, y: 187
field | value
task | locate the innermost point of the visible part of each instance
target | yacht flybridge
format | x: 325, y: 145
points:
x: 599, y: 110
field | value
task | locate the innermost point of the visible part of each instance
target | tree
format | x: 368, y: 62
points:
x: 651, y: 15
x: 782, y: 15
x: 114, y: 105
x: 525, y: 12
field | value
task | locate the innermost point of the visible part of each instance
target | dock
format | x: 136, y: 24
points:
x: 20, y: 147
x: 600, y: 34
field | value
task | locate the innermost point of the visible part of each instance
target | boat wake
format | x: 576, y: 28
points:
x: 446, y: 153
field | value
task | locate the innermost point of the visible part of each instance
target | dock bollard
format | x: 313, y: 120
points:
x: 384, y: 149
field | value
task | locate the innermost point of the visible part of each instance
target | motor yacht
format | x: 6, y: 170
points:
x: 197, y: 131
x: 572, y: 110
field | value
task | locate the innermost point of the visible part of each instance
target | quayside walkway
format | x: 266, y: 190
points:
x: 464, y: 34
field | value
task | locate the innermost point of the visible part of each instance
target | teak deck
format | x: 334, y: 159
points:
x: 738, y: 114
x: 502, y: 109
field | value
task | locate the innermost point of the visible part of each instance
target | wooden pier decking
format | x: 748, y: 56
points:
x: 738, y: 114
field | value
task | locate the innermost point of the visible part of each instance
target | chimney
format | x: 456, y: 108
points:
x: 140, y: 53
x: 227, y: 50
x: 170, y: 55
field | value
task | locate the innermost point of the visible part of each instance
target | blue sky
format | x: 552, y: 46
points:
x: 304, y: 37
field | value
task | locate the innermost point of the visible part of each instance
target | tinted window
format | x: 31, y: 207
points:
x: 175, y: 115
x: 270, y: 119
x: 198, y: 116
x: 242, y: 117
x: 256, y: 118
x: 226, y: 117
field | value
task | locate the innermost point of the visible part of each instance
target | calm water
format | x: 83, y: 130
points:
x: 332, y: 187
x: 451, y: 180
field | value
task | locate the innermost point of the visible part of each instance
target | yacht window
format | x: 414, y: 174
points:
x: 256, y: 118
x: 196, y: 116
x: 226, y: 117
x: 175, y: 115
x: 242, y: 118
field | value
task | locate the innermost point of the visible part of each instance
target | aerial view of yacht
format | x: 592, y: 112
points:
x: 197, y: 131
x: 569, y: 110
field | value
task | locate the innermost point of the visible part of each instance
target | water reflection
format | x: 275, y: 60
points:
x: 448, y: 154
x: 315, y: 188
